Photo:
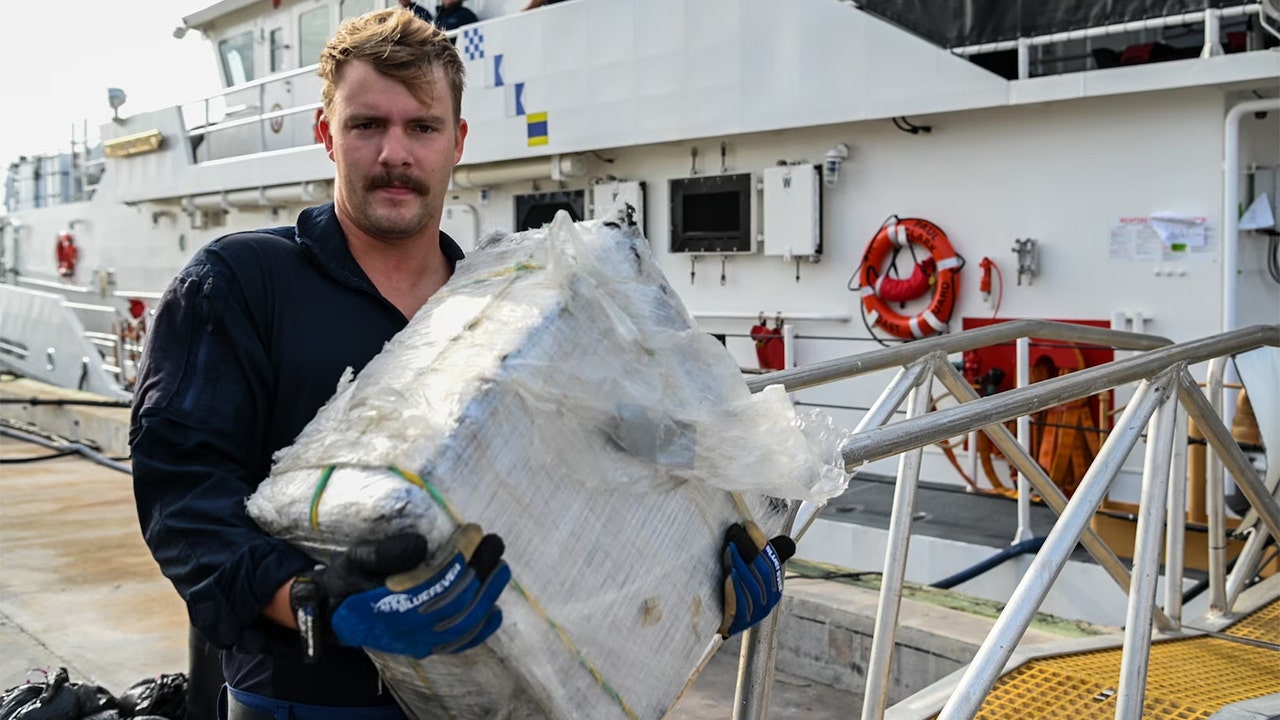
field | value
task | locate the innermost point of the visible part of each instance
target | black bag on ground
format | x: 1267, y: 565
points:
x: 16, y: 698
x: 165, y: 696
x: 93, y: 700
x: 56, y: 699
x: 53, y: 699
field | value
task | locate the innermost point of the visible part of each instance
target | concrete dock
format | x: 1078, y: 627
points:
x: 78, y: 587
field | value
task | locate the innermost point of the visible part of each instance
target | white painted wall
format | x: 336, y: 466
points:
x: 615, y: 72
x: 144, y: 245
x: 1061, y: 172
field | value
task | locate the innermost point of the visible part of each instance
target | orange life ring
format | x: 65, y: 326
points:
x: 66, y: 254
x: 896, y: 234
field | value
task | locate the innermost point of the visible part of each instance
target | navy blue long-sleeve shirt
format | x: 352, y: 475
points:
x: 423, y: 14
x: 248, y: 343
x: 452, y: 17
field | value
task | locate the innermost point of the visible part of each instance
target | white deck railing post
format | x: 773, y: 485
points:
x: 1023, y: 355
x: 1152, y: 506
x: 1215, y: 498
x: 1176, y: 520
x: 988, y: 663
x: 895, y: 562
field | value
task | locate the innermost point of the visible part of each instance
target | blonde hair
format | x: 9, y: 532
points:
x: 398, y: 45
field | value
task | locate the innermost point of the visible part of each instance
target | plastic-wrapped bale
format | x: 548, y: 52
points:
x: 556, y: 392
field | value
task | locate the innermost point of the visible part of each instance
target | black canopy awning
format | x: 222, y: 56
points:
x: 957, y: 23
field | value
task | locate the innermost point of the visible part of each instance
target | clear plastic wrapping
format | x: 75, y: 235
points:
x: 556, y: 392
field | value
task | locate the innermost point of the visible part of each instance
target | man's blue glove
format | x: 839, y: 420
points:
x: 381, y: 595
x: 752, y: 575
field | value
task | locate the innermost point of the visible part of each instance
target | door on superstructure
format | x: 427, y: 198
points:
x: 279, y: 30
x: 295, y: 38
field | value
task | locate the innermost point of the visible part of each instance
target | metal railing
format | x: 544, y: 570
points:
x: 1166, y: 390
x: 1211, y: 18
x: 262, y: 117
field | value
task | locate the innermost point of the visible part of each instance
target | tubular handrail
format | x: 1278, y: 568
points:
x: 240, y: 122
x: 1166, y: 397
x: 1186, y: 18
x: 52, y: 285
x: 1215, y: 501
x: 285, y: 75
x: 902, y: 436
x: 850, y: 366
x: 1270, y: 8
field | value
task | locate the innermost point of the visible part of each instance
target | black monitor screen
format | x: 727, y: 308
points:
x: 711, y: 214
x: 715, y: 212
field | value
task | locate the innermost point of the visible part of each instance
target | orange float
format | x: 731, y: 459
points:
x: 66, y: 254
x: 943, y: 277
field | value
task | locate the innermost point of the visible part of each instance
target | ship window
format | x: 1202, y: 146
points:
x: 278, y: 48
x: 237, y: 58
x: 354, y: 8
x: 313, y: 33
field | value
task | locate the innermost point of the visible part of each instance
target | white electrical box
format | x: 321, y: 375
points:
x: 792, y: 211
x: 606, y: 195
x: 461, y: 223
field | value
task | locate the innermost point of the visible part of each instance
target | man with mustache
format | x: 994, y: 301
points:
x: 249, y: 342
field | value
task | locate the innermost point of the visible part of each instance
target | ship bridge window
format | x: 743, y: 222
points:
x: 313, y: 33
x: 355, y: 8
x: 237, y: 58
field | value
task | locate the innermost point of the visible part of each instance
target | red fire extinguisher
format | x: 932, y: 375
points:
x: 771, y: 348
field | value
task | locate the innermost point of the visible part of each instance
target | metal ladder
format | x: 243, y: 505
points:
x: 1166, y: 396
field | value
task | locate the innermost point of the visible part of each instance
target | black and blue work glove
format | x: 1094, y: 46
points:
x: 752, y: 575
x: 382, y: 595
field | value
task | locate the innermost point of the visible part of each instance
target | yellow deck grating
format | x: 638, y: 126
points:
x: 1187, y: 678
x: 1262, y: 624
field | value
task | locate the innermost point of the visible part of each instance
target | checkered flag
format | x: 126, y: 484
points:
x: 472, y: 44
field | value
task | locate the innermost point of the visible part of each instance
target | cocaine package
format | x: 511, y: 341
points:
x: 557, y: 393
